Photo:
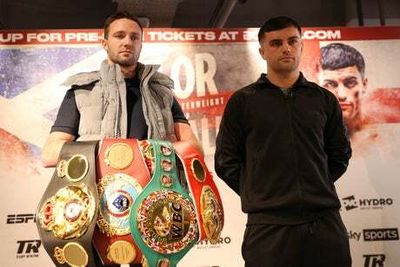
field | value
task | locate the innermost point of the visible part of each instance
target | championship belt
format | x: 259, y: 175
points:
x: 163, y: 217
x: 67, y: 212
x: 210, y: 214
x: 121, y: 176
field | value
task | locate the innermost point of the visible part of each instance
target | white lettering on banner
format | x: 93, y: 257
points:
x: 181, y: 36
x: 206, y: 130
x: 183, y: 61
x: 250, y: 35
x: 322, y: 35
x: 230, y: 36
x: 205, y: 75
x: 44, y: 37
x: 205, y: 66
x: 82, y: 37
x: 10, y: 37
x: 203, y: 103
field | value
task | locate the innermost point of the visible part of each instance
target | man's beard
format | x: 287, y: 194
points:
x: 126, y: 62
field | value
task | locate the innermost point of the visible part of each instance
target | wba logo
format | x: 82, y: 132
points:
x: 382, y: 234
x: 28, y: 248
x: 374, y: 260
x: 20, y: 218
x: 351, y: 202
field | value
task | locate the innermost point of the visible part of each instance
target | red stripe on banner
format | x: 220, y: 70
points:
x: 40, y: 37
x: 167, y: 35
x: 352, y: 33
x: 383, y: 106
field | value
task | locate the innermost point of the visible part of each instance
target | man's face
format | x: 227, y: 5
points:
x: 124, y: 42
x: 282, y: 50
x: 347, y: 84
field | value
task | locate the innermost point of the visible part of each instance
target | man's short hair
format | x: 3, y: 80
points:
x: 337, y: 56
x: 276, y: 24
x: 116, y: 16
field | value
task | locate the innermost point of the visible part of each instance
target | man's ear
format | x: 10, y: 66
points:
x: 261, y: 51
x: 104, y: 43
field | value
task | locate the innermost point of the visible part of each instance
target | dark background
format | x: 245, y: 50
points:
x: 68, y: 14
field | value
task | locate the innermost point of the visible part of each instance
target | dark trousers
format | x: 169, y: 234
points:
x: 320, y: 243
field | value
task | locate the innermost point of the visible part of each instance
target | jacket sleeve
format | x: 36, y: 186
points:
x: 337, y: 143
x: 230, y: 152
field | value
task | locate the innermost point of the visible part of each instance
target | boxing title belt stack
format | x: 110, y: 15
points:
x: 67, y: 212
x: 152, y: 199
x: 121, y: 176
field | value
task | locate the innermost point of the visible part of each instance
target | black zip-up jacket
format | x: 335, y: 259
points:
x: 283, y: 153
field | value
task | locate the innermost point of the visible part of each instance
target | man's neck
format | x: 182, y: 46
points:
x: 128, y: 72
x: 283, y: 80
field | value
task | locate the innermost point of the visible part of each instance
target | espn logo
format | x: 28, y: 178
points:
x: 20, y: 218
x: 382, y: 234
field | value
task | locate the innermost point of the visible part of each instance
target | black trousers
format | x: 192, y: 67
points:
x: 320, y: 243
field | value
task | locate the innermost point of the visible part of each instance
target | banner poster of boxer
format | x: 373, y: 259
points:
x: 207, y: 66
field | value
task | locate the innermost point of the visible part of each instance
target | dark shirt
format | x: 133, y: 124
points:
x: 282, y: 153
x: 68, y: 115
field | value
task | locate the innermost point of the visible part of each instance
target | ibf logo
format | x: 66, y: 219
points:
x: 350, y: 202
x: 20, y: 218
x: 374, y: 260
x: 381, y: 234
x: 28, y: 248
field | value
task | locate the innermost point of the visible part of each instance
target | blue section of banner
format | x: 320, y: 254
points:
x: 20, y: 69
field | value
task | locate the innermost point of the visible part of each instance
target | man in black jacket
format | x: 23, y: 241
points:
x: 281, y: 146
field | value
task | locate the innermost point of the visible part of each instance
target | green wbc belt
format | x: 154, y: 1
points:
x: 163, y: 217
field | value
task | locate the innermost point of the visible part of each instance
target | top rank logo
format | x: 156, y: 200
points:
x: 351, y: 202
x: 374, y: 260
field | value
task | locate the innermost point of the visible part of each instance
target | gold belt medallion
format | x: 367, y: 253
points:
x: 69, y: 212
x: 167, y: 221
x: 75, y: 169
x: 211, y: 213
x: 121, y: 252
x: 72, y: 253
x: 117, y: 193
x: 119, y: 156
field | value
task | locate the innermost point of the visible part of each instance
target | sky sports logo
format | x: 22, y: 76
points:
x: 382, y: 234
x: 351, y: 202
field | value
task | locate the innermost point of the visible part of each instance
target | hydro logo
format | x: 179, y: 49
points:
x: 374, y: 260
x: 21, y: 218
x: 221, y: 241
x: 382, y: 234
x: 351, y: 202
x: 28, y: 248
